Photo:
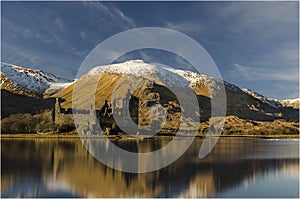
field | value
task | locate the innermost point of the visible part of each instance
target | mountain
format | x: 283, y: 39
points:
x: 30, y: 82
x: 274, y: 102
x: 247, y: 111
x: 241, y: 103
x: 291, y: 102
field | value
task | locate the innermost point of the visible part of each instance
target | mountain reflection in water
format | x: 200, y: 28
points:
x: 64, y: 168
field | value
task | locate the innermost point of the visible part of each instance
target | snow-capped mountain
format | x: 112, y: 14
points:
x: 183, y: 78
x: 23, y: 80
x: 31, y: 82
x: 166, y: 75
x: 243, y: 103
x: 291, y: 102
x: 269, y: 101
x: 240, y: 103
x: 276, y: 103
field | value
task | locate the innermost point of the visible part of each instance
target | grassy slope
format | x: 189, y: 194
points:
x: 106, y: 85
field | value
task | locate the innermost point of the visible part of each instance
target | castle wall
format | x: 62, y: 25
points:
x: 104, y: 117
x: 61, y: 119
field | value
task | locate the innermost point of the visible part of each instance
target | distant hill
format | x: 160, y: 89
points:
x: 274, y: 102
x: 30, y: 82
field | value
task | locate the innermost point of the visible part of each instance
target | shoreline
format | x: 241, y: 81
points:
x: 76, y: 136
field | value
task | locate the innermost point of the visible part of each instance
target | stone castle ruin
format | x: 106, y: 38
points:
x: 104, y: 116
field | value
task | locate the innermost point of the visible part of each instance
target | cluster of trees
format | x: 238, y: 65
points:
x: 27, y: 123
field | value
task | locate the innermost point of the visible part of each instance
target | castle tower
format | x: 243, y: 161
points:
x: 93, y: 119
x: 126, y: 100
x: 56, y: 111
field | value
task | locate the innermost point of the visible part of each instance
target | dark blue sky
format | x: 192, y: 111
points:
x: 254, y: 44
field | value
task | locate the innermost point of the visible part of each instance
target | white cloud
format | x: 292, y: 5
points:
x: 185, y: 26
x: 16, y: 55
x: 83, y: 35
x: 145, y: 57
x: 127, y: 19
x: 289, y: 54
x: 20, y: 29
x: 60, y: 23
x: 48, y: 28
x: 253, y: 74
x: 111, y: 11
x: 248, y: 15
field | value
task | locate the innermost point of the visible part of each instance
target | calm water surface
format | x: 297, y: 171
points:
x: 237, y: 167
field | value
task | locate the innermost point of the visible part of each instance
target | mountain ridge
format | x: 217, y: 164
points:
x: 54, y: 83
x: 30, y: 82
x: 130, y: 68
x: 239, y: 102
x: 246, y: 110
x: 274, y: 102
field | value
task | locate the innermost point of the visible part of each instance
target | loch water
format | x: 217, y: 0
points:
x: 236, y: 167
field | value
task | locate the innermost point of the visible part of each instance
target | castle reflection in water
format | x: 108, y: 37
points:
x: 63, y: 168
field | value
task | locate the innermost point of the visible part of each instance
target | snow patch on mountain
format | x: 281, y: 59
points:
x: 295, y: 103
x: 133, y: 67
x: 269, y: 101
x: 30, y: 80
x: 169, y: 76
x: 183, y: 78
x: 273, y: 102
x: 56, y: 87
